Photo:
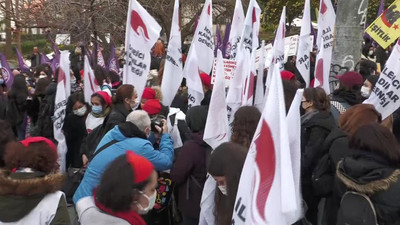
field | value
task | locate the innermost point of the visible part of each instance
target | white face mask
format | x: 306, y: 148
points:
x: 152, y: 201
x: 223, y: 189
x: 81, y: 111
x: 371, y: 52
x: 73, y: 80
x: 135, y: 105
x: 42, y: 76
x: 365, y: 91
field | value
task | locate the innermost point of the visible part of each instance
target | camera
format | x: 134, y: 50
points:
x: 157, y: 121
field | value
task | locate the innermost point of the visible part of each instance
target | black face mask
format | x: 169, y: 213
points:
x: 302, y: 111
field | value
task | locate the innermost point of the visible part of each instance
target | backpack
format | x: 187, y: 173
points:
x: 356, y: 209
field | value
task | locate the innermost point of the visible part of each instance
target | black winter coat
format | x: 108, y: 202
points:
x: 313, y: 134
x: 75, y: 131
x: 189, y: 173
x: 117, y: 115
x: 373, y: 175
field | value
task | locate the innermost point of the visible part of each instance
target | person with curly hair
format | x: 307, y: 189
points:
x: 244, y: 125
x: 30, y: 184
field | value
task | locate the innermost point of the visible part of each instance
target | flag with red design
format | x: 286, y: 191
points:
x: 173, y: 62
x: 259, y: 94
x: 200, y: 56
x: 62, y: 94
x: 90, y: 83
x: 142, y: 32
x: 303, y: 53
x: 249, y: 82
x: 266, y: 192
x: 326, y: 27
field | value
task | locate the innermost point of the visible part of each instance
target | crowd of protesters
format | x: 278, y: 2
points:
x: 146, y: 163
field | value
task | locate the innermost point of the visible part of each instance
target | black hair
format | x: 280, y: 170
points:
x: 75, y: 97
x: 117, y: 189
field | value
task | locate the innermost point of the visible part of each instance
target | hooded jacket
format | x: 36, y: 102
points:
x: 32, y: 199
x: 129, y: 138
x: 373, y: 175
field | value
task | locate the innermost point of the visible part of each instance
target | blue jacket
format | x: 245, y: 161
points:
x: 162, y: 159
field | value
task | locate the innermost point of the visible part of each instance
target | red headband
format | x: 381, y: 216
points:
x: 141, y: 167
x: 31, y: 140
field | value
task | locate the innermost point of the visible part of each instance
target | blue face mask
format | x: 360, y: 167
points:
x: 97, y: 109
x: 1, y: 81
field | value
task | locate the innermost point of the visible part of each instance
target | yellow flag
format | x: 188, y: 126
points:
x: 386, y: 28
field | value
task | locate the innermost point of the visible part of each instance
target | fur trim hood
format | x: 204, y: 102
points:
x: 366, y: 174
x: 29, y: 186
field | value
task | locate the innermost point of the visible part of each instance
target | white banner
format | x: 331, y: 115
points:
x: 142, y: 32
x: 259, y: 95
x: 385, y: 94
x: 60, y: 105
x: 173, y: 62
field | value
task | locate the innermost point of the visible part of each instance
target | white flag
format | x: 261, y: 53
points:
x: 259, y: 96
x: 60, y: 104
x: 90, y: 83
x: 321, y: 78
x: 278, y: 51
x: 326, y: 27
x: 266, y: 193
x: 303, y: 52
x: 217, y: 126
x: 236, y: 30
x: 249, y: 40
x: 385, y: 94
x: 294, y: 132
x: 200, y: 56
x: 215, y: 133
x: 173, y: 64
x: 248, y: 87
x: 248, y: 44
x: 142, y: 32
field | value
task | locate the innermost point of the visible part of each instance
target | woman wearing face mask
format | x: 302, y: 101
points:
x: 74, y: 128
x: 124, y: 102
x: 369, y: 84
x: 316, y: 124
x: 225, y: 165
x: 127, y: 189
x: 101, y: 107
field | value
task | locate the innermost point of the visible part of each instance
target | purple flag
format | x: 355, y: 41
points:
x: 22, y: 66
x: 219, y: 41
x: 226, y: 40
x: 113, y: 64
x: 54, y: 46
x: 381, y: 8
x: 313, y: 33
x: 44, y: 59
x: 55, y: 62
x: 6, y: 71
